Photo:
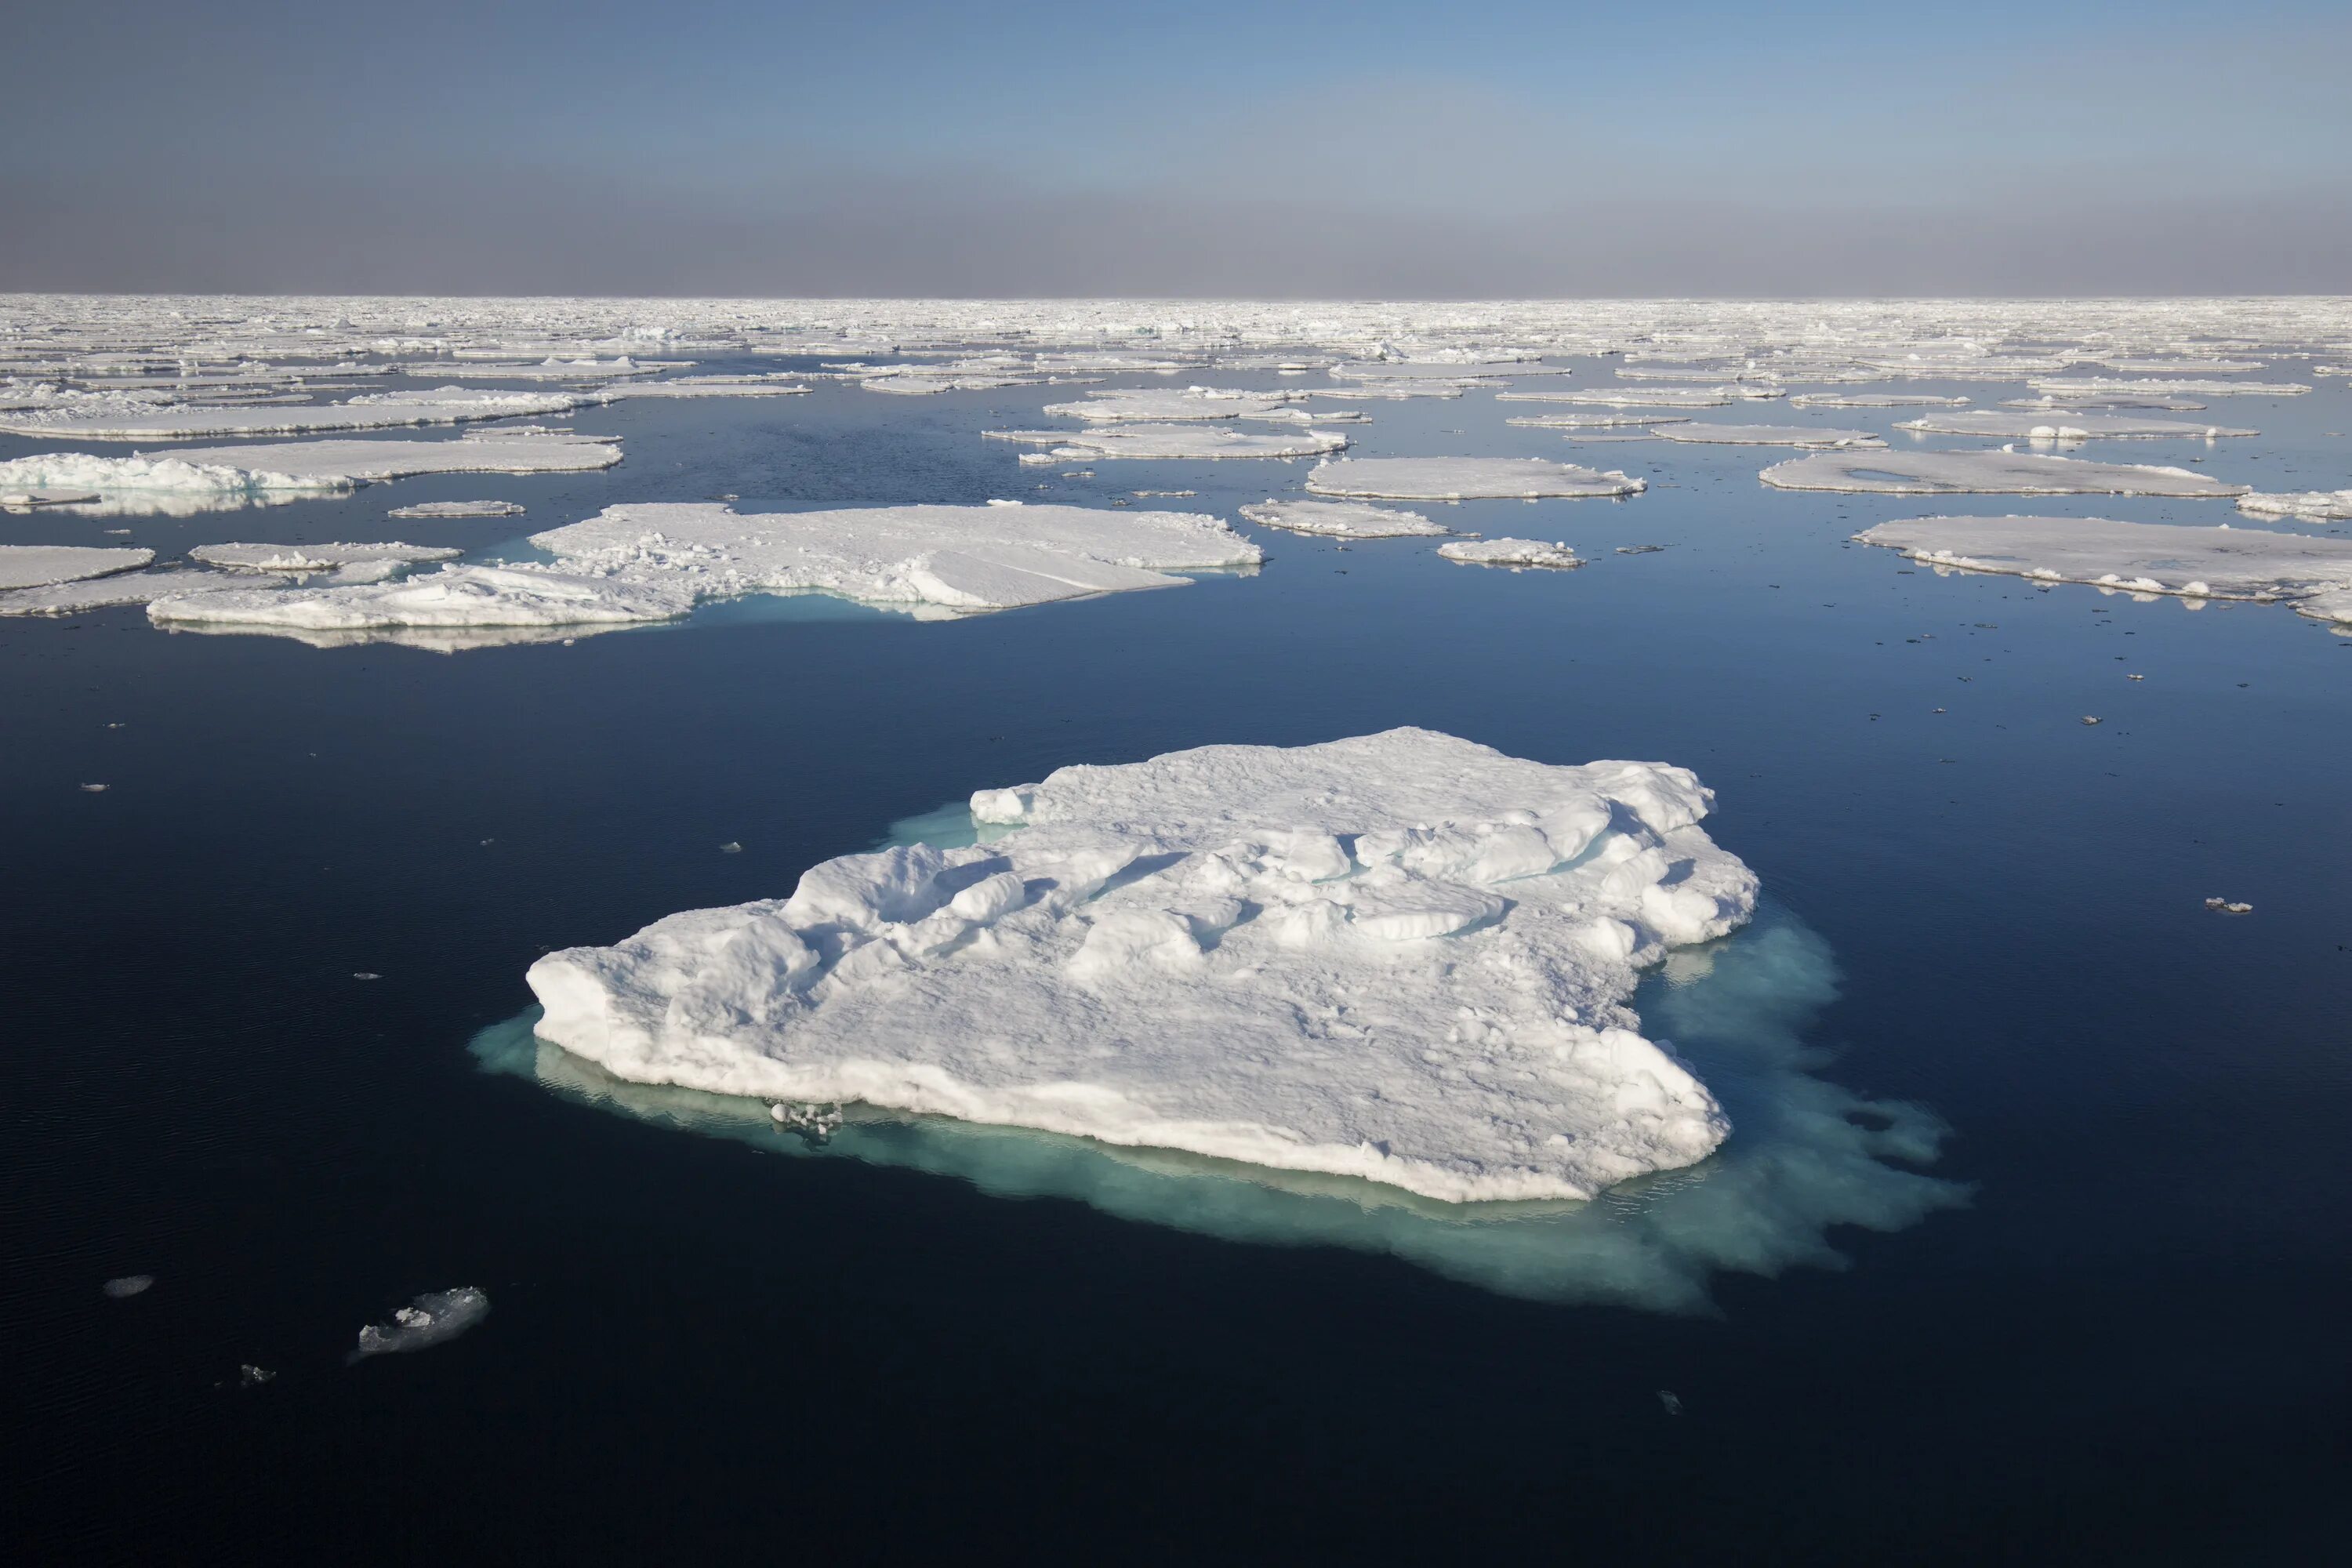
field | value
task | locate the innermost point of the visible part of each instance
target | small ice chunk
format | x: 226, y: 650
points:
x: 251, y: 1376
x: 2223, y: 906
x: 2321, y: 506
x: 1672, y: 1404
x: 128, y: 1285
x: 1512, y: 552
x: 434, y: 1317
x: 457, y: 508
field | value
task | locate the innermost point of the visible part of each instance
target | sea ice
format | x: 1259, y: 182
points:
x: 2104, y: 387
x: 44, y: 565
x: 1874, y: 400
x: 1806, y: 1156
x: 1169, y: 404
x: 1402, y: 957
x: 2319, y: 505
x: 1465, y: 478
x: 1597, y: 421
x: 433, y: 1318
x: 1645, y: 396
x: 116, y: 591
x: 2138, y: 557
x: 237, y: 476
x: 948, y: 558
x: 457, y: 508
x: 1988, y: 473
x: 2065, y: 426
x: 1342, y: 519
x: 459, y: 598
x: 1173, y: 441
x: 1511, y: 552
x: 309, y: 558
x: 369, y: 411
x: 1765, y: 435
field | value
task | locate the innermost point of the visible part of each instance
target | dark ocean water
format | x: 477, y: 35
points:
x: 2118, y: 1333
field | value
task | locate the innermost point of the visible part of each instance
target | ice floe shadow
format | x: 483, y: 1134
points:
x: 1805, y: 1155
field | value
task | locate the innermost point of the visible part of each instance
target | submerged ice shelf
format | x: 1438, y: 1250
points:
x: 1403, y: 957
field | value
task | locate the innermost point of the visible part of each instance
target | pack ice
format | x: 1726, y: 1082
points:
x: 1990, y: 473
x: 2138, y: 557
x: 1465, y: 478
x: 1402, y: 957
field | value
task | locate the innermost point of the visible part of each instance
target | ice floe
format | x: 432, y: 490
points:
x: 44, y: 565
x: 1512, y: 552
x: 1986, y: 473
x: 1642, y: 396
x: 2106, y: 386
x: 433, y: 1318
x: 1177, y: 405
x: 1806, y: 1155
x: 1465, y: 478
x: 453, y: 598
x: 2066, y: 427
x: 1342, y: 519
x: 942, y: 559
x: 1874, y: 400
x: 457, y: 508
x: 369, y: 411
x: 2321, y: 506
x: 313, y: 558
x: 1403, y: 957
x: 2221, y: 563
x: 1699, y: 430
x: 1170, y: 441
x: 201, y: 478
x: 1596, y: 421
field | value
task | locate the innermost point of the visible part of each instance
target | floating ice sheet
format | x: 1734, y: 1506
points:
x: 1512, y: 552
x: 43, y: 565
x: 2137, y: 557
x: 115, y: 591
x: 1874, y: 400
x: 1179, y: 405
x: 2320, y: 506
x: 2066, y: 427
x: 1806, y: 1155
x: 2106, y: 386
x: 433, y: 1318
x: 1342, y: 519
x: 1466, y: 478
x: 370, y: 411
x: 1173, y: 441
x: 1402, y: 957
x: 1985, y: 473
x: 309, y: 558
x: 1699, y: 430
x: 457, y: 508
x: 1641, y: 396
x: 452, y: 598
x: 200, y: 478
x: 1596, y: 421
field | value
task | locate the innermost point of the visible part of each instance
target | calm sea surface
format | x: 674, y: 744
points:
x: 2105, y: 1320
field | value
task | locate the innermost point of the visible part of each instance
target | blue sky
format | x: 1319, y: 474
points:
x: 1210, y: 148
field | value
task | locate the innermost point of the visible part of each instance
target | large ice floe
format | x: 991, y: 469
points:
x: 1466, y: 478
x: 2221, y: 563
x: 45, y: 565
x: 2066, y: 427
x: 455, y: 598
x: 1985, y: 473
x: 302, y: 559
x: 2321, y: 506
x: 1822, y: 435
x: 2105, y: 387
x: 1402, y: 957
x: 1179, y: 405
x: 200, y: 478
x: 1874, y: 400
x: 1342, y: 519
x: 1645, y: 396
x: 1170, y: 441
x: 369, y: 411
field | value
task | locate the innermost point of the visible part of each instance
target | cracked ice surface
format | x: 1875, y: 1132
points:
x: 2138, y: 557
x: 1402, y: 957
x: 1985, y: 473
x: 1466, y: 478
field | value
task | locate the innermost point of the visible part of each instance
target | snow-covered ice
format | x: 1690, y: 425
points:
x: 1597, y: 421
x: 2107, y: 386
x: 946, y: 559
x: 457, y: 508
x: 369, y: 411
x: 116, y: 591
x: 223, y: 477
x: 1402, y: 957
x: 2321, y: 506
x: 43, y: 565
x: 310, y: 558
x: 1342, y: 519
x: 1512, y: 552
x: 1179, y: 405
x: 1642, y: 396
x: 433, y: 1318
x: 1173, y: 441
x: 1465, y: 478
x: 1874, y: 400
x: 2138, y: 557
x: 1700, y: 430
x: 457, y: 599
x: 2066, y: 427
x: 1985, y: 473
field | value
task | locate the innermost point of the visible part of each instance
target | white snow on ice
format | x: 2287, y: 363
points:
x: 1985, y: 473
x: 2136, y: 557
x: 1342, y: 519
x: 1402, y: 957
x: 2066, y: 427
x: 43, y: 565
x: 1465, y: 478
x: 2321, y: 506
x: 1512, y: 552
